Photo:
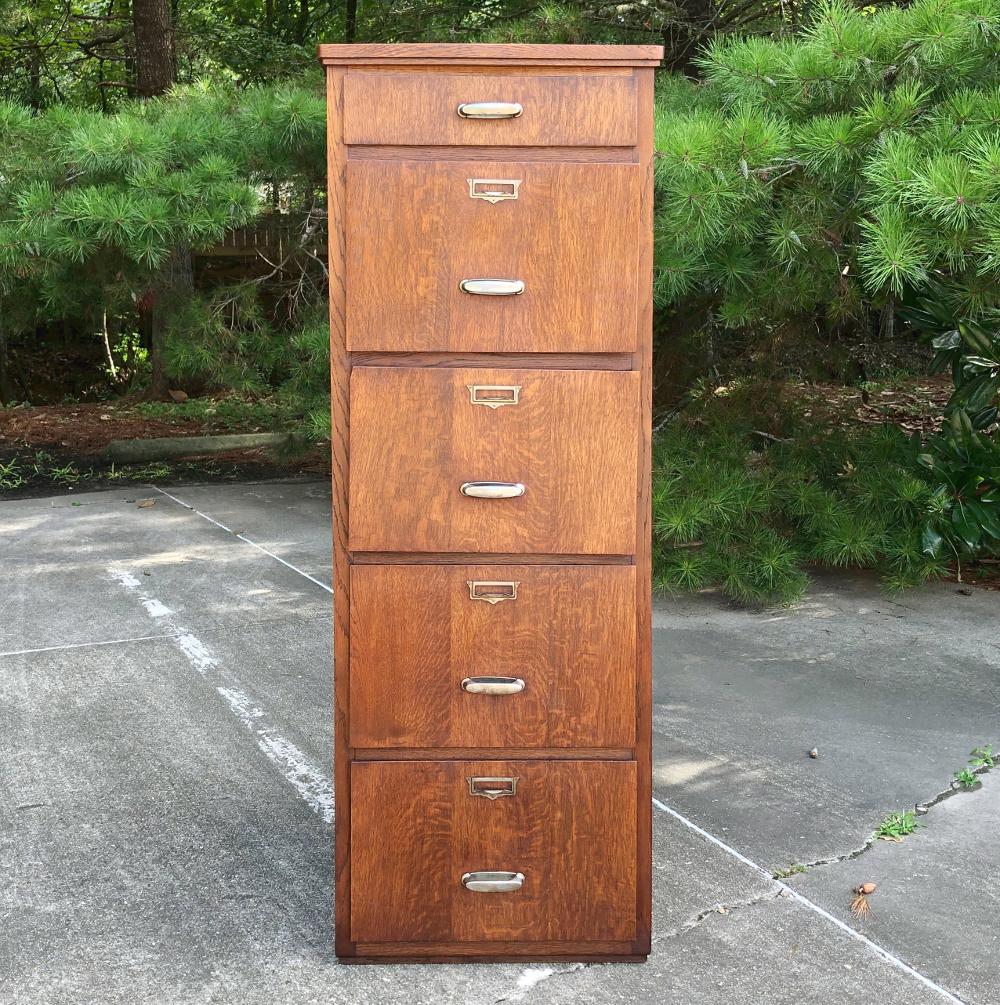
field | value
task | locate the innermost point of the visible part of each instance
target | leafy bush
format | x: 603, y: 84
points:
x: 964, y: 457
x: 738, y: 508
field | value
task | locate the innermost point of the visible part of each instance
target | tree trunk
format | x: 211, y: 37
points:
x: 6, y: 387
x: 154, y: 46
x: 174, y: 282
x: 351, y: 20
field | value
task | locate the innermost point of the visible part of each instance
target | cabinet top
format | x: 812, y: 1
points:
x: 458, y: 54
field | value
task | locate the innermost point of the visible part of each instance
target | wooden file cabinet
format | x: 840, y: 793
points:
x: 490, y: 274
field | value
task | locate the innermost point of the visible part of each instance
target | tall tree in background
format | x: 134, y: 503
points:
x: 155, y: 72
x: 155, y: 65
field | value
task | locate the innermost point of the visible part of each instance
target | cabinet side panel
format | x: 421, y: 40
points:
x: 643, y: 547
x: 340, y: 367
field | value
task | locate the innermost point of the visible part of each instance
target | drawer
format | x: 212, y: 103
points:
x: 492, y: 656
x: 426, y: 445
x: 422, y: 109
x: 569, y: 829
x: 569, y: 233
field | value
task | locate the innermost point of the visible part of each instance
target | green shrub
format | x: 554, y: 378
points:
x: 811, y: 180
x: 739, y: 509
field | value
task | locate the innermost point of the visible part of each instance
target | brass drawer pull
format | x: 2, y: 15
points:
x: 490, y: 787
x: 493, y: 685
x: 492, y: 591
x: 492, y: 287
x: 489, y: 110
x: 492, y: 490
x: 493, y: 882
x: 494, y: 395
x: 493, y: 190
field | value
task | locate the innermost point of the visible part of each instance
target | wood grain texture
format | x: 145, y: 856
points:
x: 485, y: 753
x: 340, y: 372
x: 644, y: 528
x: 415, y: 438
x: 569, y: 829
x: 572, y: 155
x: 414, y: 233
x: 535, y: 360
x: 416, y: 633
x: 421, y: 108
x: 425, y: 53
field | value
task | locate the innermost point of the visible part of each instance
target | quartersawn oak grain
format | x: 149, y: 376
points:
x: 622, y: 71
x: 416, y: 633
x: 414, y: 233
x: 422, y: 108
x: 498, y: 54
x: 416, y: 438
x: 570, y: 828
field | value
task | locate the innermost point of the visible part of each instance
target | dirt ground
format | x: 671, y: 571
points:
x: 48, y: 449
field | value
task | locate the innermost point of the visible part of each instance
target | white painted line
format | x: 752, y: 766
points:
x: 889, y: 958
x: 312, y: 785
x: 86, y: 645
x: 245, y: 539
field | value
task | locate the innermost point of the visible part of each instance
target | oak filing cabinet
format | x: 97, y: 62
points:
x: 490, y: 304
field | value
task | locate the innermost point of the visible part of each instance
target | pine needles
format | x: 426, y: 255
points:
x: 749, y: 514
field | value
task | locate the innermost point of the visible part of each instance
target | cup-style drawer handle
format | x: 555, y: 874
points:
x: 489, y: 110
x: 492, y: 490
x: 492, y: 287
x: 492, y: 685
x: 493, y: 882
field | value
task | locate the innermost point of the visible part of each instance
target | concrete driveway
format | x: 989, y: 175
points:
x: 166, y: 801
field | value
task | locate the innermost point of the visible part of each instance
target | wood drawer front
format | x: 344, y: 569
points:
x: 570, y: 829
x: 567, y: 632
x: 421, y: 109
x: 570, y: 440
x: 414, y: 233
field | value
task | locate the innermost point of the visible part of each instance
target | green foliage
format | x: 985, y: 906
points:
x: 897, y: 826
x: 966, y: 778
x: 738, y: 509
x: 810, y: 180
x: 795, y: 869
x: 981, y: 760
x: 963, y: 459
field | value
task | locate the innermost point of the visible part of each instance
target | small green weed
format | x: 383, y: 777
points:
x: 981, y: 760
x: 896, y: 826
x: 966, y: 778
x: 10, y: 475
x: 793, y: 870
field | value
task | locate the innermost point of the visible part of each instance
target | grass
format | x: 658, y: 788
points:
x: 896, y: 826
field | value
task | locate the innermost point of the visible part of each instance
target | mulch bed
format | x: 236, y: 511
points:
x: 54, y: 449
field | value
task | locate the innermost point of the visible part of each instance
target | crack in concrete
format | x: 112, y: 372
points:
x: 533, y: 979
x: 721, y: 909
x: 920, y: 809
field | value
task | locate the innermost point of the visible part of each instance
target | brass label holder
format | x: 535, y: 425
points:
x: 493, y: 190
x: 492, y: 787
x: 493, y: 592
x: 494, y: 395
